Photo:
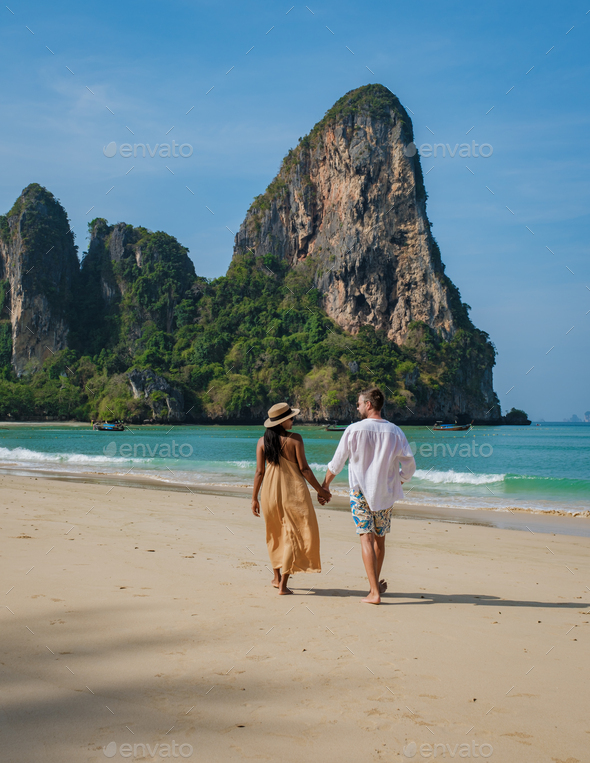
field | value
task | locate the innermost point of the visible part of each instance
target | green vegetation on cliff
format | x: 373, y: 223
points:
x: 134, y: 288
x: 374, y: 101
x: 236, y: 345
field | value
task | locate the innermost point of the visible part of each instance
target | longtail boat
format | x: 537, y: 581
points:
x: 105, y: 426
x: 440, y: 427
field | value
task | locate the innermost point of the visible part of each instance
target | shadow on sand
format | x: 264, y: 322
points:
x: 391, y: 597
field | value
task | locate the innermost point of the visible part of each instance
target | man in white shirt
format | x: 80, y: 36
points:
x: 376, y: 449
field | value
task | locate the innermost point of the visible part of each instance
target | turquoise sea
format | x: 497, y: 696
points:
x: 543, y: 467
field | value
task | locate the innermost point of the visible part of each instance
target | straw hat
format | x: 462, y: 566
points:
x: 279, y: 413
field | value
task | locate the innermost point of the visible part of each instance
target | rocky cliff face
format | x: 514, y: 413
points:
x: 349, y: 207
x: 336, y: 284
x: 350, y: 199
x: 166, y: 401
x: 132, y: 280
x: 39, y: 267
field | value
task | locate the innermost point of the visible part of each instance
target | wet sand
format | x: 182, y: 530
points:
x: 558, y: 522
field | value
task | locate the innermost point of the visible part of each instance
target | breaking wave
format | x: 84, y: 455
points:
x: 33, y: 456
x: 457, y: 478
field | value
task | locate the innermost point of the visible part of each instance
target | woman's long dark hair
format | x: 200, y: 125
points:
x: 272, y: 443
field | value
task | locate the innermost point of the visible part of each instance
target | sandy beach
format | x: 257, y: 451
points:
x: 141, y: 617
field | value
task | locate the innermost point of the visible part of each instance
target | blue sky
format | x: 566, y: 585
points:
x: 81, y: 75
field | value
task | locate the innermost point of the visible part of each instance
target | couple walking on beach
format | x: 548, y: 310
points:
x: 380, y: 461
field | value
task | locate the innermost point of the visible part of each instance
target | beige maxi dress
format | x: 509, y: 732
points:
x: 292, y: 533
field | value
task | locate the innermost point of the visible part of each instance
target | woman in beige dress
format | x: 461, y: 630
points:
x: 292, y: 534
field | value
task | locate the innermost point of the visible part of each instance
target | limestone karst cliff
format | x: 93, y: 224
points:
x: 132, y: 281
x: 350, y: 197
x: 336, y: 283
x: 38, y: 267
x: 349, y: 203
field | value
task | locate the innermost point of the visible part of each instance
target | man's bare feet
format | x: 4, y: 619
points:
x: 372, y: 598
x: 382, y: 586
x: 284, y: 591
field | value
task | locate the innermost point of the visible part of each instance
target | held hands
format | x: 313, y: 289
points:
x: 324, y: 496
x: 255, y: 507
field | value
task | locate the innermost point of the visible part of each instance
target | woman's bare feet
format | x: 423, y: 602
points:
x: 276, y: 581
x: 372, y: 598
x: 382, y: 586
x: 283, y: 590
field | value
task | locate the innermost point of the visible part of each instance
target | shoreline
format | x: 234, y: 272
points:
x: 554, y: 522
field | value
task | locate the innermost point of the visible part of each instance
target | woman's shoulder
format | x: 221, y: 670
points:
x: 294, y: 436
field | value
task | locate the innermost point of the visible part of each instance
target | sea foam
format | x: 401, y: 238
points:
x: 24, y: 454
x: 457, y: 478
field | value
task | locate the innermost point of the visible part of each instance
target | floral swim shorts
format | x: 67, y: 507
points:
x: 367, y: 521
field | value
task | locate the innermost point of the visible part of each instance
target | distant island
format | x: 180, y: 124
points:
x: 577, y: 420
x: 336, y: 283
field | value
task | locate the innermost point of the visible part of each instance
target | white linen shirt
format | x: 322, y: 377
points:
x: 375, y: 448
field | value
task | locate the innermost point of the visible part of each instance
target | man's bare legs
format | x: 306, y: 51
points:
x: 379, y: 546
x: 369, y: 549
x: 276, y: 581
